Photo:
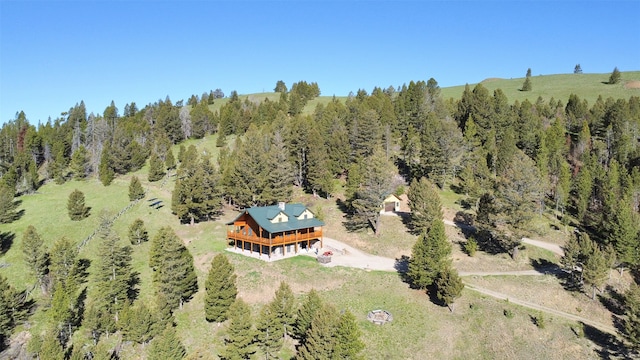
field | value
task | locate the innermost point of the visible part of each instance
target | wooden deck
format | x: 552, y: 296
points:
x: 276, y: 239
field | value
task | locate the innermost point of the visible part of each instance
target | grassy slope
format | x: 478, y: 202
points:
x: 586, y: 86
x: 419, y: 326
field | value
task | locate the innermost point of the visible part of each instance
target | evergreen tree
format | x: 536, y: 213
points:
x: 630, y: 329
x: 305, y: 315
x: 595, y: 270
x: 577, y: 69
x: 283, y: 307
x: 167, y: 346
x: 105, y: 169
x: 239, y: 343
x: 174, y: 274
x: 170, y: 160
x: 8, y: 309
x: 136, y: 192
x: 429, y: 256
x: 320, y: 338
x: 449, y: 286
x: 50, y: 348
x: 114, y: 276
x: 221, y: 289
x: 347, y: 338
x: 623, y: 233
x: 614, y: 78
x: 377, y: 184
x: 63, y: 257
x: 80, y: 163
x: 526, y: 85
x: 156, y: 168
x: 76, y: 207
x: 7, y: 205
x: 137, y: 323
x: 196, y: 195
x: 138, y: 232
x: 269, y: 334
x: 425, y: 205
x: 583, y: 190
x: 35, y: 254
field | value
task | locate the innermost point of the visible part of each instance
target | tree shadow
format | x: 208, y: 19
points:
x: 6, y: 240
x: 609, y: 347
x: 612, y: 300
x: 133, y: 292
x: 402, y: 266
x: 82, y: 269
x: 547, y: 267
x: 487, y: 244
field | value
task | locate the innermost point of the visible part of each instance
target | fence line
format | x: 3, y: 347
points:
x: 95, y: 231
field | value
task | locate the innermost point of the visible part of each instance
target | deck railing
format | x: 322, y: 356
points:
x: 275, y: 239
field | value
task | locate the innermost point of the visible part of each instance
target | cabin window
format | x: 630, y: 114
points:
x: 305, y: 216
x: 279, y: 219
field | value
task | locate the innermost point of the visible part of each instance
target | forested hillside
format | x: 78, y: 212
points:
x: 508, y: 161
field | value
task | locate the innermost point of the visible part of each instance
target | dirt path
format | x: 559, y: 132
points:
x: 557, y: 249
x: 603, y: 327
x: 345, y: 255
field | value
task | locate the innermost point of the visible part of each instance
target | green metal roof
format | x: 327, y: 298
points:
x: 264, y: 214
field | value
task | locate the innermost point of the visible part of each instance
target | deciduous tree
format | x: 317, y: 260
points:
x: 138, y: 232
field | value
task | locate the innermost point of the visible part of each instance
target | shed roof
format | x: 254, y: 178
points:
x: 264, y: 214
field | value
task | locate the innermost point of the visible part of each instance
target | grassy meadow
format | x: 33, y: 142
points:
x: 421, y: 329
x: 586, y: 86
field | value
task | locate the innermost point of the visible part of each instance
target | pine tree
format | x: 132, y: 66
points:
x: 347, y: 338
x: 623, y: 233
x: 79, y: 163
x: 595, y: 270
x: 283, y: 307
x: 614, y: 78
x: 7, y: 205
x: 583, y: 190
x: 526, y: 85
x: 137, y: 323
x: 196, y: 195
x: 630, y: 329
x: 167, y: 346
x: 305, y: 315
x: 76, y: 207
x: 138, y: 232
x: 424, y: 203
x: 377, y: 184
x: 174, y: 274
x: 449, y: 286
x: 50, y: 348
x: 35, y: 254
x: 156, y: 168
x: 221, y: 289
x: 577, y: 69
x: 269, y: 334
x: 320, y: 338
x: 114, y: 276
x: 63, y: 257
x: 136, y: 192
x: 105, y: 169
x: 8, y: 309
x: 239, y: 343
x: 429, y: 256
x: 170, y: 160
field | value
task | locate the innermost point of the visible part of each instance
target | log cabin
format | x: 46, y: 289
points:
x: 280, y: 229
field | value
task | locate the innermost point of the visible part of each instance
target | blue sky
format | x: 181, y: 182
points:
x: 54, y: 54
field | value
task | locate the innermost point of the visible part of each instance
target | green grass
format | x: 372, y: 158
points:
x: 586, y: 86
x: 419, y: 326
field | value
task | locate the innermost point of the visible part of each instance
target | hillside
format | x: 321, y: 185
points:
x: 586, y: 86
